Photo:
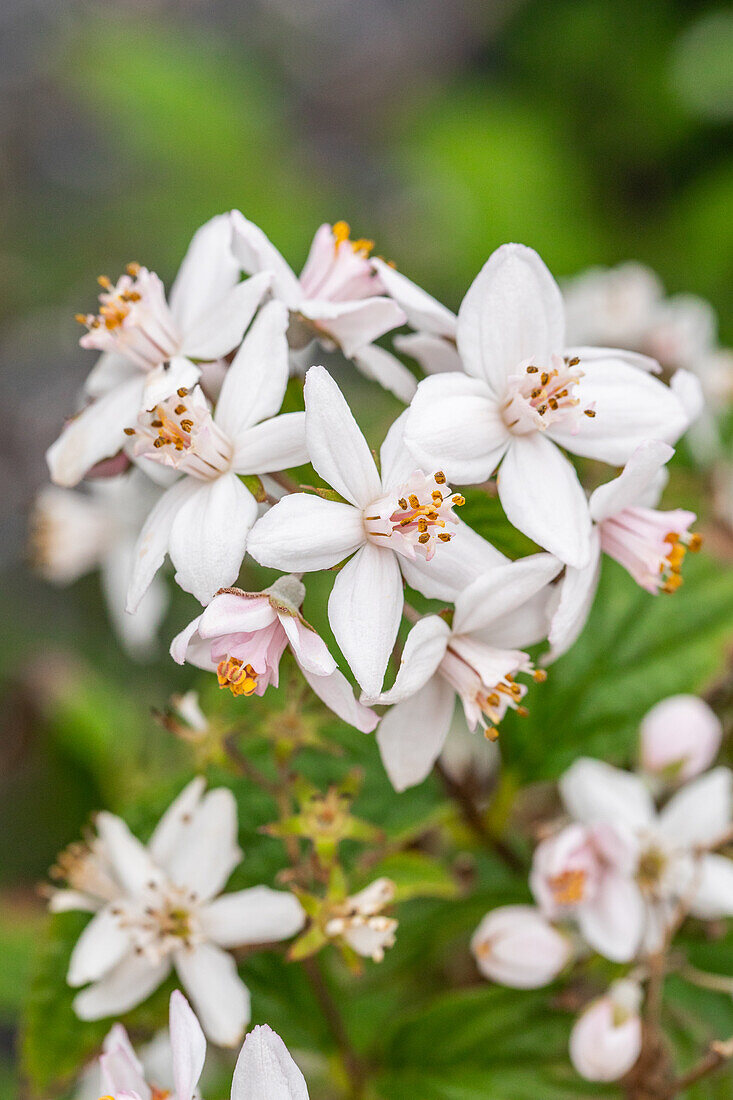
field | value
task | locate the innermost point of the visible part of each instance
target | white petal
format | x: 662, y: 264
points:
x: 700, y: 812
x: 423, y: 312
x: 130, y: 983
x: 215, y: 335
x: 163, y: 381
x: 513, y: 312
x: 338, y: 450
x: 209, y: 535
x: 256, y: 253
x: 303, y: 532
x: 265, y: 1070
x: 138, y: 633
x: 687, y: 387
x: 501, y: 590
x: 434, y: 354
x: 396, y: 462
x: 526, y: 626
x: 631, y: 406
x: 207, y: 851
x: 336, y: 692
x: 577, y: 592
x: 634, y: 358
x: 594, y: 791
x: 542, y: 496
x: 99, y: 948
x: 254, y: 386
x: 614, y: 923
x: 97, y: 432
x: 454, y: 425
x: 275, y: 444
x: 364, y: 610
x: 152, y: 544
x: 131, y: 862
x: 632, y: 485
x: 425, y: 648
x: 354, y: 324
x: 309, y: 648
x: 188, y: 1046
x: 230, y: 613
x: 714, y: 894
x: 386, y: 369
x: 220, y: 997
x: 257, y: 915
x: 412, y: 733
x: 207, y: 272
x: 170, y: 829
x: 454, y: 566
x: 120, y: 1070
x: 109, y: 371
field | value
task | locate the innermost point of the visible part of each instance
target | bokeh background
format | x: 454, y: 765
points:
x: 594, y: 131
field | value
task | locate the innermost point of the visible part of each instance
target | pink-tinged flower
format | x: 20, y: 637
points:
x: 242, y: 636
x: 399, y: 523
x: 433, y: 343
x: 149, y: 343
x: 525, y: 395
x: 474, y: 661
x: 74, y: 532
x: 680, y: 738
x: 202, y: 521
x: 515, y: 945
x: 650, y: 544
x: 360, y: 922
x: 586, y: 873
x: 674, y: 860
x: 338, y: 301
x: 160, y: 907
x: 606, y: 1040
x: 265, y: 1069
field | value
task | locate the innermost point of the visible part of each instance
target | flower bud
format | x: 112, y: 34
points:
x: 606, y: 1039
x: 680, y: 738
x: 514, y: 945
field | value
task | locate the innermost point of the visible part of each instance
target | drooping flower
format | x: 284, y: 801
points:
x: 515, y: 945
x: 474, y: 660
x: 243, y: 635
x: 338, y: 300
x: 679, y: 738
x: 401, y: 523
x: 160, y: 907
x: 265, y: 1070
x: 74, y: 532
x: 525, y: 395
x: 606, y: 1040
x: 650, y: 544
x: 360, y: 922
x: 149, y: 344
x: 202, y: 521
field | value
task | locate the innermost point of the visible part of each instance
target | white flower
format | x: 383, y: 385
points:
x: 606, y: 1039
x: 525, y: 395
x: 265, y: 1069
x: 680, y: 738
x: 472, y: 660
x: 242, y: 636
x: 74, y: 532
x: 360, y: 922
x: 515, y: 946
x: 433, y: 344
x: 202, y: 521
x: 650, y: 544
x: 674, y: 864
x: 148, y: 343
x: 338, y: 300
x: 157, y: 908
x: 401, y: 521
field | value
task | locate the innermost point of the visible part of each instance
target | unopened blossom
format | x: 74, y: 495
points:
x: 674, y: 861
x: 160, y: 907
x: 360, y: 922
x: 606, y: 1039
x: 149, y: 344
x: 515, y: 945
x: 395, y: 524
x: 649, y: 543
x: 679, y: 738
x: 338, y: 300
x: 74, y: 532
x: 585, y: 873
x: 243, y: 635
x: 526, y: 396
x: 265, y: 1069
x: 474, y: 660
x: 433, y: 343
x: 203, y: 519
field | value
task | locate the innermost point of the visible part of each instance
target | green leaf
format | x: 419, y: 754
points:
x: 416, y: 875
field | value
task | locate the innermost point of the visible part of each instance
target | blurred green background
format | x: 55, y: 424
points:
x: 595, y: 131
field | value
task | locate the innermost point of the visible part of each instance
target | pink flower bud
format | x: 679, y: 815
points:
x: 606, y: 1039
x: 514, y: 945
x: 680, y: 738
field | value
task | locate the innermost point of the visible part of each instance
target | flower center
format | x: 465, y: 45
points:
x: 651, y: 545
x: 233, y: 673
x: 133, y: 318
x: 183, y: 434
x: 568, y: 888
x: 161, y: 922
x: 414, y: 516
x: 484, y: 680
x: 537, y: 398
x: 651, y: 867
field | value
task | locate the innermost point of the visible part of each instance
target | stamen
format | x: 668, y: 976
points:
x: 241, y: 679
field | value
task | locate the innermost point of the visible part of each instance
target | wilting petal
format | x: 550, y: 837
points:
x: 152, y: 543
x: 256, y: 253
x: 130, y: 983
x: 265, y: 1070
x: 208, y: 271
x: 425, y: 648
x: 354, y: 324
x: 594, y: 791
x: 257, y: 915
x: 169, y: 831
x: 542, y: 496
x: 304, y: 533
x: 254, y: 386
x: 207, y: 851
x: 501, y: 590
x: 700, y: 813
x: 275, y: 444
x: 613, y: 923
x: 713, y: 896
x: 412, y: 733
x: 336, y: 692
x: 220, y: 997
x: 364, y: 610
x: 97, y: 432
x: 188, y: 1046
x: 423, y: 312
x: 433, y: 353
x: 632, y: 485
x: 513, y: 312
x: 338, y: 450
x: 99, y: 948
x: 386, y: 369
